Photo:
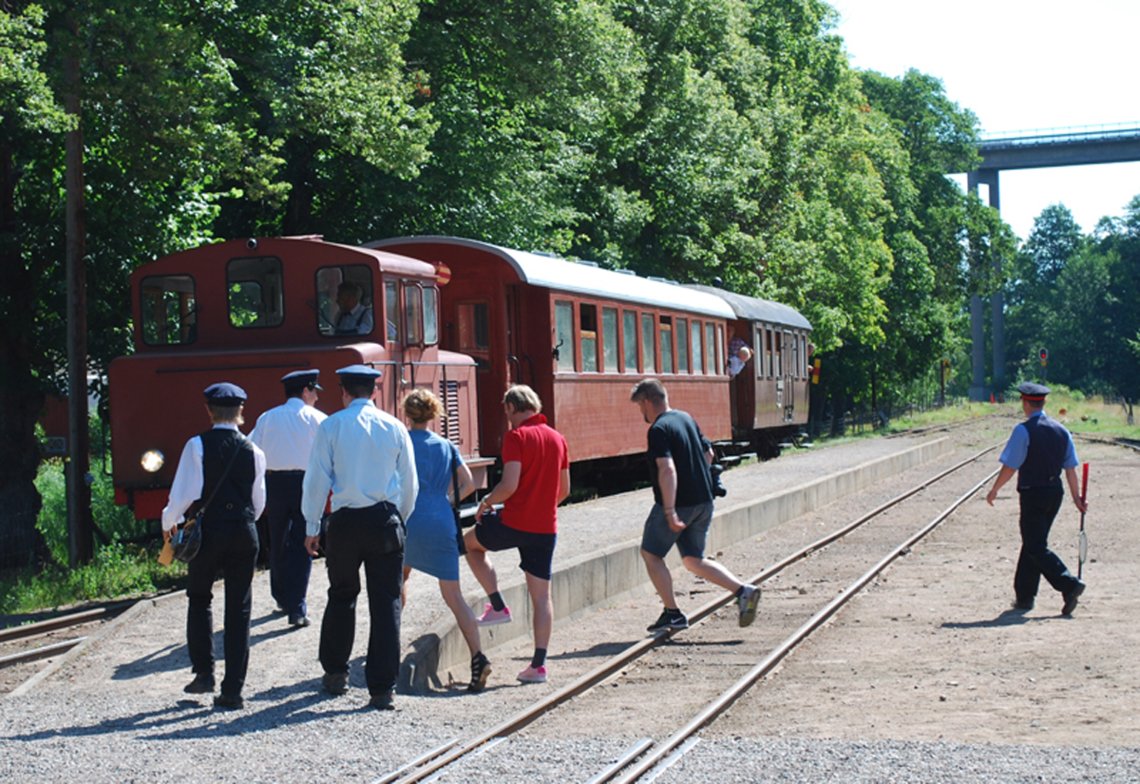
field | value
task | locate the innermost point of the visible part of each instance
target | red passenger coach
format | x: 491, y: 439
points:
x: 770, y: 394
x: 581, y: 337
x: 250, y: 311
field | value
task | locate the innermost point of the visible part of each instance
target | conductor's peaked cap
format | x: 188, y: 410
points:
x: 358, y: 373
x: 224, y: 394
x: 302, y: 378
x: 1032, y: 391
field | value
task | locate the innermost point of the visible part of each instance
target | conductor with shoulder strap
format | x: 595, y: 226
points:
x: 229, y: 470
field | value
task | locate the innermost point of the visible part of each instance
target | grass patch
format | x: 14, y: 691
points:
x: 124, y: 563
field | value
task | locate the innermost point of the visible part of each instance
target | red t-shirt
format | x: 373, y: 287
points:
x: 543, y: 454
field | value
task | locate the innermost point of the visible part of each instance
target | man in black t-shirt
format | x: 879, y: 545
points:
x: 679, y: 457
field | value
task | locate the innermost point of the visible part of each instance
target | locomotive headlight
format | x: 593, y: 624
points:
x: 152, y: 460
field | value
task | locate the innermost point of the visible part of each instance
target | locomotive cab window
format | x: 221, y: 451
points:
x: 392, y: 311
x: 413, y: 314
x: 344, y: 300
x: 253, y: 289
x: 431, y: 314
x: 168, y: 314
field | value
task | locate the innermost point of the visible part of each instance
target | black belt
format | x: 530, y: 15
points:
x: 297, y: 471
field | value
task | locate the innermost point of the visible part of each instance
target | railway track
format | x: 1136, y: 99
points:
x: 26, y: 648
x: 637, y: 669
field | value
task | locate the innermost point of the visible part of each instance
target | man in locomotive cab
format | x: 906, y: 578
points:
x: 536, y: 478
x: 227, y: 470
x: 353, y: 316
x: 680, y: 457
x: 286, y: 434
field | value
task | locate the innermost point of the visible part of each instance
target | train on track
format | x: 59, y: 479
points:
x: 463, y: 318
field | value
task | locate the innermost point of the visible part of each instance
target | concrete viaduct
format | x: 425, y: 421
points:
x: 1036, y: 150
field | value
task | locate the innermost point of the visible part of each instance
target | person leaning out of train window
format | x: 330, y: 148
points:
x: 353, y: 316
x: 226, y: 471
x: 738, y: 355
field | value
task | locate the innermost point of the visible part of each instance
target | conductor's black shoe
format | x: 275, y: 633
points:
x: 229, y: 702
x: 1023, y: 605
x: 382, y: 701
x: 1071, y: 599
x: 299, y: 621
x: 202, y: 684
x: 335, y: 683
x: 669, y: 620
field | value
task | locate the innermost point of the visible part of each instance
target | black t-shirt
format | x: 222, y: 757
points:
x: 675, y: 434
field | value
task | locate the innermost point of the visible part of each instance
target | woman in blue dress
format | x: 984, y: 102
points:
x: 431, y: 544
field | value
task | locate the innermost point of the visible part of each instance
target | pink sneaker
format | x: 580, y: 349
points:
x: 493, y: 617
x: 533, y: 675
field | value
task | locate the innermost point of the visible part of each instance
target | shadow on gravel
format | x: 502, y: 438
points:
x: 175, y: 657
x: 1007, y: 618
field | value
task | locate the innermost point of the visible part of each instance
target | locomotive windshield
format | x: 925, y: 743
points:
x: 167, y: 306
x: 253, y: 287
x: 344, y: 300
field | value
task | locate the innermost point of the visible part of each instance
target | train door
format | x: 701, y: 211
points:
x: 790, y: 352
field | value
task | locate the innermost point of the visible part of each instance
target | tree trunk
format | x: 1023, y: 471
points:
x: 21, y: 395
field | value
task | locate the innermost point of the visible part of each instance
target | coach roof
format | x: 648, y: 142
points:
x: 755, y: 309
x: 584, y: 278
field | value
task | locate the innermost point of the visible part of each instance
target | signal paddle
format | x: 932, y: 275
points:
x: 1083, y: 540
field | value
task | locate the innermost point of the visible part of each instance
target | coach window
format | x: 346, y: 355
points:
x: 710, y: 362
x: 719, y: 348
x: 777, y: 354
x: 564, y: 336
x: 682, y: 345
x: 413, y: 314
x: 344, y: 300
x: 768, y: 353
x: 666, y: 331
x: 795, y: 355
x: 168, y: 314
x: 648, y: 344
x: 588, y: 336
x: 698, y: 352
x: 629, y: 341
x: 609, y: 340
x: 253, y: 287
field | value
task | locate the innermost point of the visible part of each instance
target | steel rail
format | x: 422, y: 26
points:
x: 456, y: 750
x: 43, y: 652
x: 51, y: 624
x: 763, y: 667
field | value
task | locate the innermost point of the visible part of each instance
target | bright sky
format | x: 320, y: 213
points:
x: 1019, y: 65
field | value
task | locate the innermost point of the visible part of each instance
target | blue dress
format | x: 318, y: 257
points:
x: 431, y: 547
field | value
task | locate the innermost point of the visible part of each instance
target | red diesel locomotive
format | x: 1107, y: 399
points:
x: 250, y: 311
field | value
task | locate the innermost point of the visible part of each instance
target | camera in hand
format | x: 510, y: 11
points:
x: 715, y: 470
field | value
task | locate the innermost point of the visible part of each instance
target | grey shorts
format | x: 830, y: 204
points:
x: 657, y: 538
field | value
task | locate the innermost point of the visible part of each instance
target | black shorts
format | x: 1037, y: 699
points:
x: 536, y: 551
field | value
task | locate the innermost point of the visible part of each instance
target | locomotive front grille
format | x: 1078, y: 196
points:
x: 449, y: 395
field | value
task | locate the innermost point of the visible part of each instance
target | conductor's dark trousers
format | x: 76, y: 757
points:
x: 1039, y: 507
x: 374, y: 537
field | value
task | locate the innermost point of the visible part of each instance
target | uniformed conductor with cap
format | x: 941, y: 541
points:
x: 1038, y: 450
x: 286, y: 434
x: 226, y: 471
x: 365, y: 457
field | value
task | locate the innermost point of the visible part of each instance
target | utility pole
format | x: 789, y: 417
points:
x: 78, y: 478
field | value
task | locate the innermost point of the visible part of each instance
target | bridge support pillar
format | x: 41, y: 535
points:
x: 989, y: 178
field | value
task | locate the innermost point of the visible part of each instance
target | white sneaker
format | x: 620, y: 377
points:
x: 493, y: 617
x: 748, y: 601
